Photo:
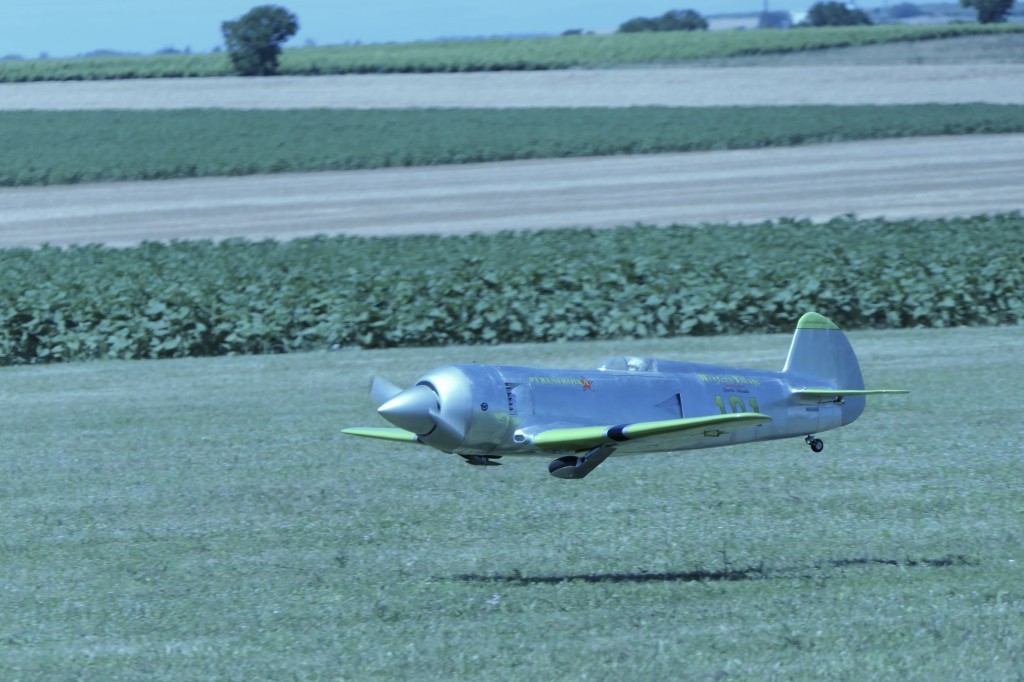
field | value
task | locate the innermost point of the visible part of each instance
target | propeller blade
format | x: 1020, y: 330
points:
x: 382, y: 390
x: 445, y: 435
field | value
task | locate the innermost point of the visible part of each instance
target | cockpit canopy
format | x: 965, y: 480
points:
x: 629, y: 363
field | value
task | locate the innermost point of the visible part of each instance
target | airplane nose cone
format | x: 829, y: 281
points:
x: 412, y: 410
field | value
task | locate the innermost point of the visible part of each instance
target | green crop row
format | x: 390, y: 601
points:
x: 204, y: 298
x: 496, y: 54
x: 48, y: 148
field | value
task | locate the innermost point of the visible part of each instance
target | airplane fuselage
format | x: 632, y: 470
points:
x: 629, y: 405
x: 496, y: 408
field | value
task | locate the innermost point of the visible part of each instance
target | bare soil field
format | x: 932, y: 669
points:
x: 924, y: 177
x: 663, y: 86
x: 927, y: 177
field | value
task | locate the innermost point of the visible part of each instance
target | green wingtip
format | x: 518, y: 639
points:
x: 815, y: 321
x: 397, y: 435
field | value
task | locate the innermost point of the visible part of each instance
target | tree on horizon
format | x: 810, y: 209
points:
x: 989, y: 11
x: 673, y: 20
x: 254, y: 40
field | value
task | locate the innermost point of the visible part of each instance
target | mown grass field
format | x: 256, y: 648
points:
x: 203, y: 519
x: 497, y: 54
x: 66, y: 147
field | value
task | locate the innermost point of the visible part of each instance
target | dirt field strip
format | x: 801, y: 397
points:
x: 896, y: 178
x: 664, y: 86
x: 926, y: 177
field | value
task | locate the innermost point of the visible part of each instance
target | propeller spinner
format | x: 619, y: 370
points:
x: 413, y: 409
x: 437, y: 408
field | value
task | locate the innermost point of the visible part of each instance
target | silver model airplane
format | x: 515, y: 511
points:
x: 629, y: 405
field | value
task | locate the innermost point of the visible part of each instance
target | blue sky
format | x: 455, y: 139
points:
x: 69, y: 27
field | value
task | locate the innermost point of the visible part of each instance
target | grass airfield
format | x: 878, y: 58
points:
x: 204, y: 519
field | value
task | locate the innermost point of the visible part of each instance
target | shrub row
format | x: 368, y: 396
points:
x: 495, y: 54
x: 57, y: 147
x: 204, y: 298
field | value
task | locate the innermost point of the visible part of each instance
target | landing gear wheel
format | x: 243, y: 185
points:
x: 815, y: 443
x: 562, y: 463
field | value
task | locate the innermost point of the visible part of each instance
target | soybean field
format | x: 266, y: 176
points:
x: 204, y: 298
x: 62, y: 147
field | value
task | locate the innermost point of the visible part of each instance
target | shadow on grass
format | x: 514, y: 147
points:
x: 726, y: 575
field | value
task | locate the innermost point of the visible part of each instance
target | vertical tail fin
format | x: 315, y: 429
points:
x: 821, y: 356
x: 821, y: 367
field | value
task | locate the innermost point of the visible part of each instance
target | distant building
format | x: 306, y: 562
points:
x: 733, y: 23
x: 743, y: 22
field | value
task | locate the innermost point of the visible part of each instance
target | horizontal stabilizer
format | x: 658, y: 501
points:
x: 398, y: 435
x: 837, y: 394
x: 679, y: 431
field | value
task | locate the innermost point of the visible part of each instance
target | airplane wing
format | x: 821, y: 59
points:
x: 837, y: 394
x: 648, y: 436
x: 637, y: 437
x: 397, y: 435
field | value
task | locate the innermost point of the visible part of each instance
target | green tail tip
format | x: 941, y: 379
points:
x: 815, y: 321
